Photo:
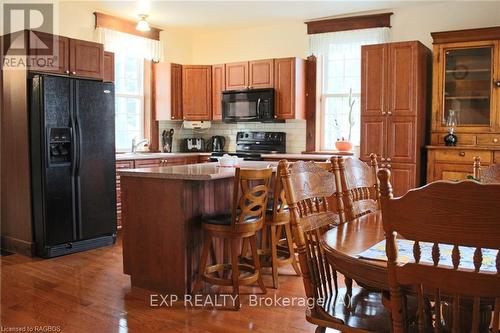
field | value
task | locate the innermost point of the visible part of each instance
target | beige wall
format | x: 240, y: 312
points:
x: 76, y: 20
x: 211, y: 46
x: 227, y: 45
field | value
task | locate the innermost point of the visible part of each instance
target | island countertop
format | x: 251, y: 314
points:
x: 292, y: 156
x: 200, y: 172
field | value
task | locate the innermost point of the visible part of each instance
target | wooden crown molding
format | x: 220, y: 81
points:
x: 349, y: 23
x: 119, y: 24
x: 466, y: 35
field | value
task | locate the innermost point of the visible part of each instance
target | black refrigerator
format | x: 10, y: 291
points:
x: 72, y: 148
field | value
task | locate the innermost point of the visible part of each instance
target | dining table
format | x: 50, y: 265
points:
x: 344, y: 244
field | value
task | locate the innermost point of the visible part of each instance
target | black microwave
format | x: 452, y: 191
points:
x: 248, y: 105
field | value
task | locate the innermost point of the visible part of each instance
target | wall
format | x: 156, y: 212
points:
x: 413, y: 22
x: 177, y: 42
x: 294, y: 129
x: 212, y: 46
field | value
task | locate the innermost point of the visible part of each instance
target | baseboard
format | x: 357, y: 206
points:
x: 17, y: 246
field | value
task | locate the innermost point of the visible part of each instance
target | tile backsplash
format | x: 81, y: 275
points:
x: 295, y: 133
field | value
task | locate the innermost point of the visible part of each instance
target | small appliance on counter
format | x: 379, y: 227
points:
x: 250, y: 145
x: 217, y: 143
x: 166, y: 140
x: 193, y: 145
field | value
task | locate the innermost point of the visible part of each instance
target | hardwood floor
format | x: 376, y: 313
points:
x: 88, y: 292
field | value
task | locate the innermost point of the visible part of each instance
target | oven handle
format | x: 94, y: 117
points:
x: 258, y: 108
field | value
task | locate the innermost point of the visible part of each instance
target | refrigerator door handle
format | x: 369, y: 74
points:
x: 78, y: 145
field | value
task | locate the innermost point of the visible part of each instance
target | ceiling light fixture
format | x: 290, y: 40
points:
x: 143, y: 25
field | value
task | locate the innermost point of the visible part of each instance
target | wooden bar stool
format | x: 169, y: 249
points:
x: 246, y: 218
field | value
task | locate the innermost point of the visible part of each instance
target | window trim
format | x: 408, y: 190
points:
x: 140, y: 96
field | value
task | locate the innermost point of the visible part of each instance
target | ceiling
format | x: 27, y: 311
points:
x: 221, y: 14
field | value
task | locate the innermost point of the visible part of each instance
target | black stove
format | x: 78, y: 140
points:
x: 250, y: 145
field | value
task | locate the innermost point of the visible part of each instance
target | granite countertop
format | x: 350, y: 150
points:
x: 202, y: 171
x: 145, y: 156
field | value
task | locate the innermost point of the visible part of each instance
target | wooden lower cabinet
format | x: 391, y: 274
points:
x: 456, y: 163
x: 120, y: 165
x: 403, y: 177
x: 450, y: 171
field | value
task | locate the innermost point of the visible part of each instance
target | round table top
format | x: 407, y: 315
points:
x: 344, y: 243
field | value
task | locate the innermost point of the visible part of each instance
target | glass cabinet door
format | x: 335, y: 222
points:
x: 467, y: 85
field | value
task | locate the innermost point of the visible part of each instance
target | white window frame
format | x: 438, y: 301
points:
x: 320, y: 47
x: 140, y: 96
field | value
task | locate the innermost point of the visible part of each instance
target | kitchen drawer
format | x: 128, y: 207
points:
x: 124, y: 164
x: 465, y: 156
x: 204, y: 159
x: 148, y: 163
x: 488, y: 139
x: 463, y: 139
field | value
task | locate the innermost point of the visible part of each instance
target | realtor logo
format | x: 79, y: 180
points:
x: 24, y: 45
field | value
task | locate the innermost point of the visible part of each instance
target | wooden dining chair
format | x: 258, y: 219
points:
x: 307, y: 188
x: 277, y: 242
x: 243, y: 222
x: 490, y: 175
x: 454, y: 264
x: 359, y: 184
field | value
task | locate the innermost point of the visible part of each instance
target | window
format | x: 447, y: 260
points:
x: 130, y: 74
x: 129, y: 99
x: 339, y: 79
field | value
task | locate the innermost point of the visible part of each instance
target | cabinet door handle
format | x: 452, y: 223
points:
x: 388, y: 159
x: 66, y: 72
x: 382, y: 165
x: 383, y: 113
x: 495, y: 140
x: 497, y: 84
x: 74, y: 73
x: 382, y: 159
x: 389, y: 113
x: 388, y: 166
x: 462, y: 153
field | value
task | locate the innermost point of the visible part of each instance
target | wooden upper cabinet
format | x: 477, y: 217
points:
x: 176, y: 91
x: 261, y: 74
x: 237, y: 75
x: 218, y: 85
x: 109, y: 67
x: 289, y: 85
x: 373, y: 80
x: 197, y: 92
x: 44, y: 61
x: 401, y: 82
x: 393, y: 108
x: 167, y: 91
x: 467, y: 80
x: 86, y: 59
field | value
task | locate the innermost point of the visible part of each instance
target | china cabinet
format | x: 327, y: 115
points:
x: 465, y: 101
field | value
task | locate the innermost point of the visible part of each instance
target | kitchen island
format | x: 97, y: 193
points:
x: 161, y: 207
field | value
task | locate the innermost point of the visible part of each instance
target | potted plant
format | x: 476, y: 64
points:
x: 342, y: 144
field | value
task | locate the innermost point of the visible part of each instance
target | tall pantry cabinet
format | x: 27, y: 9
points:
x: 394, y: 88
